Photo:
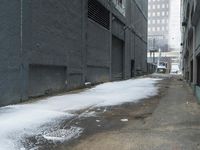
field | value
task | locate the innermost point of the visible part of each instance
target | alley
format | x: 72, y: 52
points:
x: 155, y: 112
x: 171, y: 122
x: 100, y: 75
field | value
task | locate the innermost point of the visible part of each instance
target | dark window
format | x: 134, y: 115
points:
x: 132, y: 68
x: 98, y: 13
x: 191, y: 70
x: 120, y: 2
x: 188, y: 11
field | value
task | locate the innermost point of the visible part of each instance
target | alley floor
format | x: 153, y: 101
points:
x: 156, y: 112
x: 169, y: 121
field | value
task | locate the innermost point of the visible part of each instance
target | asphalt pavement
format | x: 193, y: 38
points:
x: 169, y: 121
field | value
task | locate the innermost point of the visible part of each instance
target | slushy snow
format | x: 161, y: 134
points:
x: 18, y: 121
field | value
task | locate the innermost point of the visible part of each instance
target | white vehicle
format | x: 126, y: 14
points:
x: 162, y: 67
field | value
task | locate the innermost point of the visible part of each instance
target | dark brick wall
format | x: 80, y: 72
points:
x: 58, y: 39
x: 10, y: 48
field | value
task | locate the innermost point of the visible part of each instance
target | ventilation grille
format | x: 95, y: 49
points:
x: 98, y: 13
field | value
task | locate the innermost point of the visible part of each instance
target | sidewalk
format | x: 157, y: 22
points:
x: 173, y: 125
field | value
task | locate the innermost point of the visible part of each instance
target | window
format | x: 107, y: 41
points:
x: 158, y: 13
x: 120, y: 5
x: 163, y: 13
x: 120, y: 2
x: 163, y: 5
x: 158, y: 21
x: 158, y: 6
x: 98, y: 13
x: 163, y: 20
x: 153, y: 21
x: 158, y: 28
x: 153, y: 14
x: 149, y: 14
x: 153, y: 6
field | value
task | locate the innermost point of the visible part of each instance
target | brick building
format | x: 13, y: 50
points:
x: 158, y: 24
x: 191, y: 43
x: 57, y: 45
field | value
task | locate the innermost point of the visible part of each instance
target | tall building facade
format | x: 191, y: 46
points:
x: 158, y: 24
x: 175, y: 25
x: 58, y: 45
x: 191, y: 43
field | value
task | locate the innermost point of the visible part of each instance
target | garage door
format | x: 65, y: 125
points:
x: 117, y: 58
x: 46, y: 79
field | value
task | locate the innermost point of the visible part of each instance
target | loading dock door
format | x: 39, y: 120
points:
x: 46, y: 79
x: 117, y: 59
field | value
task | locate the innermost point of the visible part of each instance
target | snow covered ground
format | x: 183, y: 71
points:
x: 24, y: 120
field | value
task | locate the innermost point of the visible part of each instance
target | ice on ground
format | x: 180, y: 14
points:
x: 62, y: 135
x: 17, y: 121
x: 88, y: 114
x: 124, y: 120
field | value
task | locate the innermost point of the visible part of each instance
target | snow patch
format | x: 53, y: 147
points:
x: 87, y: 83
x: 22, y: 120
x: 124, y: 120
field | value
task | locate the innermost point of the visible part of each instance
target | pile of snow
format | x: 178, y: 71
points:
x: 18, y: 121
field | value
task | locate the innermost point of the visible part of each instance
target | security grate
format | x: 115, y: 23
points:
x: 98, y: 13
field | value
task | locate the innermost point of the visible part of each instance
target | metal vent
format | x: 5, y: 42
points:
x: 98, y: 13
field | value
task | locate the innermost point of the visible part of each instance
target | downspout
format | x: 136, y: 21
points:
x: 21, y: 52
x: 21, y: 27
